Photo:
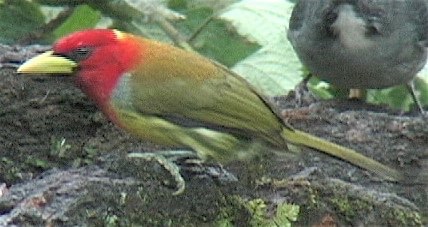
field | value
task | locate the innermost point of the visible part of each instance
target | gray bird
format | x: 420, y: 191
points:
x: 361, y: 44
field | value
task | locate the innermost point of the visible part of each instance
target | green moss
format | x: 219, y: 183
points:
x: 354, y: 208
x: 9, y: 169
x: 256, y: 213
x: 59, y: 147
x: 350, y: 208
x: 404, y: 218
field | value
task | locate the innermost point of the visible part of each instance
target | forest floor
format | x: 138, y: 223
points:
x: 62, y: 162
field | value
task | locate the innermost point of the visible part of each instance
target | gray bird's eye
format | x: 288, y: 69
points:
x: 372, y: 30
x: 374, y: 26
x: 330, y: 17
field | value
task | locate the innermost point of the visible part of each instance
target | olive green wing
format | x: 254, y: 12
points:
x: 197, y: 92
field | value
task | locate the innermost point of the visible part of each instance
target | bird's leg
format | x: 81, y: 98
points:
x: 307, y: 78
x: 168, y: 159
x: 302, y: 93
x: 175, y: 161
x: 411, y: 87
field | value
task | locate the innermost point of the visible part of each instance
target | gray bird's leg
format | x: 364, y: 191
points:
x: 411, y: 87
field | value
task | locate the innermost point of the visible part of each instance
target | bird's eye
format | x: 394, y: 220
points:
x: 80, y: 54
x: 374, y: 26
x: 329, y: 18
x: 372, y: 30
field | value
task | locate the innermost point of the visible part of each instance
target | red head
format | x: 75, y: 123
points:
x: 102, y: 55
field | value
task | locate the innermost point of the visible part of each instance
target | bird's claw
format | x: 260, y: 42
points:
x: 166, y: 159
x: 175, y: 161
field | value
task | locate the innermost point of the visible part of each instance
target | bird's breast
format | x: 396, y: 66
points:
x: 120, y: 99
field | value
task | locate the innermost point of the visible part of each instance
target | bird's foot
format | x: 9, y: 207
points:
x: 412, y: 91
x: 175, y: 161
x: 214, y: 171
x: 168, y: 159
x: 303, y: 96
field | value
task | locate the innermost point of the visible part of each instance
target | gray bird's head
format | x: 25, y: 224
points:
x: 361, y: 43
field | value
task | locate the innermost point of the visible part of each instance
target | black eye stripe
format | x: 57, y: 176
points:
x: 82, y: 51
x: 78, y: 54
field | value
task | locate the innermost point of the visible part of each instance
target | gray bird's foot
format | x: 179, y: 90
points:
x: 176, y: 161
x: 303, y: 96
x: 412, y: 91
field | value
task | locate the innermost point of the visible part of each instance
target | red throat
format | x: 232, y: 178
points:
x: 111, y: 57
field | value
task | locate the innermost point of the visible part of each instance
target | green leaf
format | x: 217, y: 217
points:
x: 399, y: 97
x: 262, y: 21
x: 396, y: 97
x: 321, y: 89
x: 17, y: 19
x: 83, y: 17
x: 422, y: 90
x: 274, y: 69
x: 177, y: 4
x: 215, y: 41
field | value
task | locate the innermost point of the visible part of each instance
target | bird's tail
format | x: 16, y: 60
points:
x: 301, y: 138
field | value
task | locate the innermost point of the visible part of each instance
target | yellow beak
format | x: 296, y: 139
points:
x: 48, y: 63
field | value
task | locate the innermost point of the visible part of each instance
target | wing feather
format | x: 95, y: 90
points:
x: 201, y: 91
